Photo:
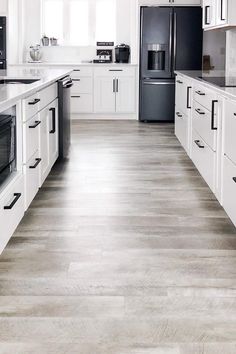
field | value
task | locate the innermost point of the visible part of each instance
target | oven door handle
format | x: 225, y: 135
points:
x: 53, y: 110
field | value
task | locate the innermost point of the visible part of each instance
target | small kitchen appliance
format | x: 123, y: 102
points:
x: 35, y: 53
x: 122, y: 53
x: 103, y: 56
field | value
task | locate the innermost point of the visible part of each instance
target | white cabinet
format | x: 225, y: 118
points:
x: 11, y: 210
x: 219, y: 13
x: 186, y: 2
x: 3, y: 8
x: 48, y: 138
x: 230, y: 130
x: 169, y: 2
x: 115, y: 90
x: 82, y: 91
x: 32, y: 178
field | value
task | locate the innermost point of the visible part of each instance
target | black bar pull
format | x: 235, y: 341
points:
x: 207, y: 8
x: 17, y: 197
x: 213, y: 115
x: 75, y: 96
x: 188, y: 97
x: 234, y: 179
x: 221, y: 10
x: 115, y: 70
x: 76, y: 80
x: 32, y: 103
x: 200, y: 93
x: 37, y: 122
x: 179, y: 114
x: 76, y: 70
x: 36, y: 163
x: 200, y: 112
x: 180, y: 82
x: 53, y: 110
x: 198, y: 143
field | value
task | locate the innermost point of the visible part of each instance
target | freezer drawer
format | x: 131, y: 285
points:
x: 157, y: 100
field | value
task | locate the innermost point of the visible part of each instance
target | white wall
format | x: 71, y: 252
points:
x: 231, y: 50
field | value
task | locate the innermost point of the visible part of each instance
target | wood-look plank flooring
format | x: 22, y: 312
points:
x: 125, y: 250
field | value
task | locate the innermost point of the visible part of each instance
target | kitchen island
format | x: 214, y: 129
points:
x: 29, y: 130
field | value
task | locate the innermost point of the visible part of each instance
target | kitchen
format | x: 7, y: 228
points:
x: 117, y: 176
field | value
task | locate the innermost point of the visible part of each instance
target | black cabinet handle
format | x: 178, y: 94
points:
x: 207, y: 8
x: 221, y: 11
x: 53, y: 110
x: 117, y: 85
x: 37, y: 122
x: 213, y: 115
x: 200, y: 93
x: 36, y: 163
x: 114, y: 85
x: 115, y: 70
x: 17, y: 197
x: 75, y: 96
x: 32, y: 103
x: 198, y: 143
x: 179, y: 115
x: 76, y: 80
x: 188, y: 97
x: 200, y: 112
x: 234, y: 179
x: 180, y: 82
x: 76, y: 70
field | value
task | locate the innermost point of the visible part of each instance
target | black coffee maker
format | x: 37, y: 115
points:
x: 122, y: 53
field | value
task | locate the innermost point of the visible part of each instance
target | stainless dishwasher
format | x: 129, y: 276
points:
x: 64, y: 94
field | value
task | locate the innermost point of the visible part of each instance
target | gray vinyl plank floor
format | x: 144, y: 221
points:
x: 125, y: 250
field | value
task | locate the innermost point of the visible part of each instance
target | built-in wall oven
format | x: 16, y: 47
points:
x: 7, y: 146
x: 3, y: 49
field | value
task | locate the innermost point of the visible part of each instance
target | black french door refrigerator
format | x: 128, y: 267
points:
x: 3, y: 52
x: 170, y: 39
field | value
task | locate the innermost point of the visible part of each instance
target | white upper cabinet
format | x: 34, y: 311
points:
x: 219, y: 13
x: 3, y: 8
x: 169, y: 2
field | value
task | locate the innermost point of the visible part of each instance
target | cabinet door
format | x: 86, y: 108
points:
x: 105, y: 95
x: 53, y: 132
x: 125, y: 95
x: 183, y: 95
x: 187, y: 2
x: 221, y: 12
x: 44, y: 144
x: 209, y: 13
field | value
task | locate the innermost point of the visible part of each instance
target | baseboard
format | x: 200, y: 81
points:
x: 104, y: 117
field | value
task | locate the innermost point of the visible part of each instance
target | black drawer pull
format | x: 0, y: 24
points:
x: 179, y: 115
x: 198, y: 143
x: 36, y: 163
x: 200, y: 93
x: 76, y: 80
x: 180, y: 82
x: 76, y: 70
x: 188, y: 97
x: 17, y: 197
x: 115, y: 70
x: 199, y: 111
x: 235, y: 114
x: 75, y: 96
x: 53, y: 110
x: 37, y: 122
x: 234, y: 179
x: 32, y: 103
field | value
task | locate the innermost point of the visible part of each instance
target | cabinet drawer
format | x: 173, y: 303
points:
x: 115, y: 71
x: 204, y: 96
x: 204, y: 159
x: 204, y: 124
x: 229, y: 188
x: 82, y: 72
x: 230, y: 130
x: 48, y: 95
x: 82, y: 103
x: 181, y: 128
x: 11, y: 211
x: 30, y: 106
x: 82, y: 85
x: 32, y: 178
x: 31, y: 130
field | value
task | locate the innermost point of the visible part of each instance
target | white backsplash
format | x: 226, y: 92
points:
x: 231, y: 51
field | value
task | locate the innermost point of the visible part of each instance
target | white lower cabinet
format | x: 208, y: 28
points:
x: 181, y: 128
x: 125, y: 95
x: 105, y: 95
x: 204, y: 159
x: 81, y: 103
x: 32, y: 178
x: 229, y: 188
x: 48, y: 139
x: 11, y: 210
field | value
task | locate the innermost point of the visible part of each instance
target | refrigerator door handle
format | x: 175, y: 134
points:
x: 170, y: 41
x: 160, y: 83
x: 175, y: 42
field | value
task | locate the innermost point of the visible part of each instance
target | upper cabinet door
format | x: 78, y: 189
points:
x: 209, y: 13
x: 3, y: 8
x: 187, y: 2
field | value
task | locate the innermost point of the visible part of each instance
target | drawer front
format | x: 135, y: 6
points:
x: 32, y: 179
x: 114, y: 71
x: 181, y: 128
x: 11, y: 211
x: 182, y: 97
x: 48, y: 95
x: 82, y: 85
x: 82, y: 104
x: 204, y: 124
x: 229, y: 188
x: 31, y: 106
x: 204, y: 96
x: 204, y: 159
x: 82, y: 72
x: 31, y: 131
x: 230, y: 130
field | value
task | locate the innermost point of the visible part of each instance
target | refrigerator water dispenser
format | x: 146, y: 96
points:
x: 156, y: 57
